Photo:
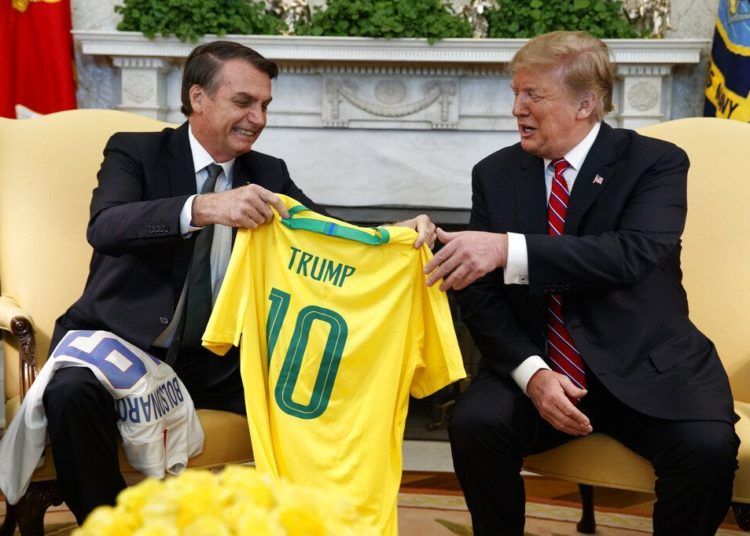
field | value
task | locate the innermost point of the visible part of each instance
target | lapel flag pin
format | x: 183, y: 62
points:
x: 598, y: 179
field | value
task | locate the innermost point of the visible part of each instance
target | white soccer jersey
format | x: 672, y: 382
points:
x: 157, y: 421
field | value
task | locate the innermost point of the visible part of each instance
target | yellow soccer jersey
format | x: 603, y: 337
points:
x: 338, y: 327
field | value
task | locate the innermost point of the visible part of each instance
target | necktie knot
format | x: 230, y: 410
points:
x: 560, y: 166
x: 214, y: 170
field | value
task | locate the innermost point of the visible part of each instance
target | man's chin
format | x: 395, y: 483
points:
x: 528, y: 145
x: 242, y: 147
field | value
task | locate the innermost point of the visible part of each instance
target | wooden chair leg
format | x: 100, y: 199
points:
x: 31, y: 508
x: 8, y: 527
x: 742, y: 515
x: 587, y: 524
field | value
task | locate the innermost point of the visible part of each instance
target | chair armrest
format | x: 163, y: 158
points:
x: 16, y: 321
x: 9, y: 310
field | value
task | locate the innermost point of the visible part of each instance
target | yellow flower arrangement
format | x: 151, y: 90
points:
x: 239, y: 501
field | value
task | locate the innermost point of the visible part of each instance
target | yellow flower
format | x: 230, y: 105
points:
x: 133, y: 499
x: 196, y: 494
x: 206, y: 526
x: 257, y: 522
x: 242, y: 484
x: 157, y: 528
x: 298, y: 521
x: 106, y: 521
x: 236, y: 502
x: 298, y: 511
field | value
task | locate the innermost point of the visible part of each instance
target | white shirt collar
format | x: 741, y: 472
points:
x: 201, y: 158
x: 578, y: 154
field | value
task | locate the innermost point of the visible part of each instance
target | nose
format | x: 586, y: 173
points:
x: 256, y: 115
x: 519, y: 106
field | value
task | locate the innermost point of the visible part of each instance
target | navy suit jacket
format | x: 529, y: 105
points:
x: 617, y: 266
x: 140, y: 259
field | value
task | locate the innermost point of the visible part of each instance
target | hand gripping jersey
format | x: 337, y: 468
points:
x: 338, y: 327
x: 157, y: 421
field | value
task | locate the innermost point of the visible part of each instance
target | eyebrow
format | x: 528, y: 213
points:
x: 524, y: 88
x: 247, y: 96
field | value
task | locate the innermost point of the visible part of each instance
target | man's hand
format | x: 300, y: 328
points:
x: 424, y: 226
x: 551, y: 393
x: 466, y: 256
x: 247, y: 206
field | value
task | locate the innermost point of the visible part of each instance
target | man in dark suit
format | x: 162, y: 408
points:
x: 147, y: 219
x: 569, y: 281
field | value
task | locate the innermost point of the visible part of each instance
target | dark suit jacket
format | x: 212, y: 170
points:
x: 617, y: 266
x: 140, y: 260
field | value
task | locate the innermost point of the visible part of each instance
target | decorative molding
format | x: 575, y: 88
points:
x: 339, y: 49
x: 137, y: 62
x: 144, y: 84
x: 642, y: 70
x: 390, y: 101
x: 643, y: 96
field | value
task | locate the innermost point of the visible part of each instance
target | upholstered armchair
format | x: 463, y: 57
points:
x: 48, y: 169
x: 716, y: 268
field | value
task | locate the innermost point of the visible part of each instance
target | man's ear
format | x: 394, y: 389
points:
x: 197, y: 98
x: 586, y: 105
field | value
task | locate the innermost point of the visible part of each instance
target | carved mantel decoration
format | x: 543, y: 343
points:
x: 344, y: 106
x: 431, y: 108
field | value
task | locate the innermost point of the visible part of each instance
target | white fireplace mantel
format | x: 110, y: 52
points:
x: 362, y: 49
x: 349, y: 109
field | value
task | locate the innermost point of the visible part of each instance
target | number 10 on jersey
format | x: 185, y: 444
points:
x: 290, y: 368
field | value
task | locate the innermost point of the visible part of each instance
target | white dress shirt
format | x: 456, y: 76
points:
x: 221, y: 244
x: 517, y: 269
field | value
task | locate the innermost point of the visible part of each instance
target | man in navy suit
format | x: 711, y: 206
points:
x: 569, y: 280
x: 147, y: 216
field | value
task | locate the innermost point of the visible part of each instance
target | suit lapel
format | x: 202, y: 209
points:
x: 243, y: 171
x: 600, y: 161
x: 242, y: 175
x: 180, y: 163
x: 531, y: 197
x: 181, y: 175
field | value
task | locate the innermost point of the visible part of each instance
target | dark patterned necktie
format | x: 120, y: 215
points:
x: 561, y: 351
x: 198, y: 298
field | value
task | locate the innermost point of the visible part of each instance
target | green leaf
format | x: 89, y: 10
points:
x: 601, y: 18
x: 433, y: 19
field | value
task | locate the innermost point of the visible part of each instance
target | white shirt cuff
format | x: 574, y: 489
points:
x: 186, y: 217
x: 523, y: 372
x: 517, y: 268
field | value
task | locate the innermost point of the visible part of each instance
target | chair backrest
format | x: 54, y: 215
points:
x: 48, y: 169
x: 716, y: 242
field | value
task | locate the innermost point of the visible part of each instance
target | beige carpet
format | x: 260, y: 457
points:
x: 436, y: 515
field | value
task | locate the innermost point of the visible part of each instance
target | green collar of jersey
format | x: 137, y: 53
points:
x: 380, y: 236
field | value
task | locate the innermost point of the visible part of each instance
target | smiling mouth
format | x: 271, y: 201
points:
x: 244, y: 132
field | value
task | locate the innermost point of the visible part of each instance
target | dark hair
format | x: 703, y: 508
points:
x: 204, y: 63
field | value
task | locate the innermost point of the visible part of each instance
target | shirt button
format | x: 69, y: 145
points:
x: 164, y: 320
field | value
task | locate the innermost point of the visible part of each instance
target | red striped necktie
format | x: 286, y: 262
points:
x: 561, y: 350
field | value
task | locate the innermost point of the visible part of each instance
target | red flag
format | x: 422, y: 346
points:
x: 36, y: 56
